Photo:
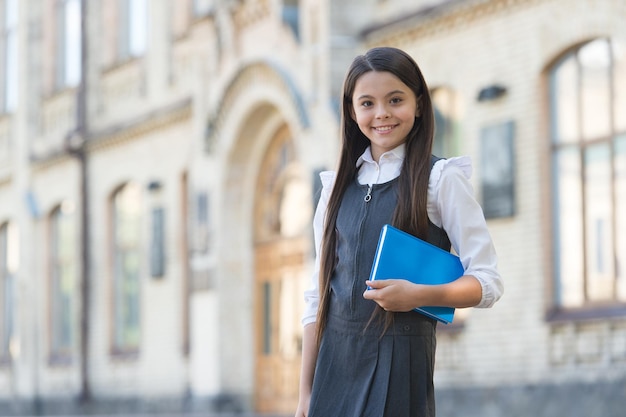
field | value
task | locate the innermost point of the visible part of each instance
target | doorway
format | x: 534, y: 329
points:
x: 281, y: 243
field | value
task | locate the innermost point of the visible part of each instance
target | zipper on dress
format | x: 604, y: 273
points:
x: 365, y: 214
x: 368, y: 196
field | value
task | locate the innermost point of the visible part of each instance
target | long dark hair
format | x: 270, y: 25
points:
x: 410, y: 213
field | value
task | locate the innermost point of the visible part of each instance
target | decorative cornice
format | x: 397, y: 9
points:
x: 259, y: 73
x: 249, y: 12
x: 141, y: 126
x: 441, y: 18
x: 122, y: 132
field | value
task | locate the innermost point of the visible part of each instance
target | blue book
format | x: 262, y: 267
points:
x: 400, y: 255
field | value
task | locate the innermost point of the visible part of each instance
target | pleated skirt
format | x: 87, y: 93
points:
x: 360, y: 373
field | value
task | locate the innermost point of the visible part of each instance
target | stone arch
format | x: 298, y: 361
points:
x: 262, y: 76
x: 258, y: 105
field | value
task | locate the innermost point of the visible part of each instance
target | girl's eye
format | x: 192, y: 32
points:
x: 396, y: 100
x: 366, y: 103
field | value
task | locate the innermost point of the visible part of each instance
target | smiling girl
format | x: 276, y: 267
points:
x: 366, y: 352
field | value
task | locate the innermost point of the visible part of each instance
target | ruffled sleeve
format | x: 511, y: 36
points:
x: 464, y: 163
x: 453, y: 206
x: 311, y: 294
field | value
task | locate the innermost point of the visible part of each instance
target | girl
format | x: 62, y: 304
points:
x: 366, y: 352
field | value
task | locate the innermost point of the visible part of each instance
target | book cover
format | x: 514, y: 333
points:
x: 400, y: 255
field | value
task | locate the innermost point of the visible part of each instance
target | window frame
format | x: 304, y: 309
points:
x: 291, y: 16
x: 8, y: 55
x: 201, y: 8
x: 61, y: 262
x: 132, y: 37
x: 68, y: 53
x: 121, y: 342
x: 586, y: 308
x: 447, y: 120
x: 6, y: 295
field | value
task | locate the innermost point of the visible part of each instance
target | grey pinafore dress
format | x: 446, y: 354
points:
x: 360, y: 373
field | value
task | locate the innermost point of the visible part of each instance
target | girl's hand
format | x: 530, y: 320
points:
x: 397, y: 295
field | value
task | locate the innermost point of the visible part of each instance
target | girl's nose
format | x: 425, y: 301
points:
x: 382, y: 112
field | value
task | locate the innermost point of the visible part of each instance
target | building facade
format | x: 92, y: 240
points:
x: 158, y: 175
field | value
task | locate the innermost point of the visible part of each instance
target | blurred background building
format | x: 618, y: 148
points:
x: 158, y: 174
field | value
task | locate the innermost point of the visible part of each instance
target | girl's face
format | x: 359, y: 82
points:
x: 384, y: 108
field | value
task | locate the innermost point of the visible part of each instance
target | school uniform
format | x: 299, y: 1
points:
x: 360, y: 371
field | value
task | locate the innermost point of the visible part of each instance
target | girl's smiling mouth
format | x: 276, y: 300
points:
x: 383, y: 129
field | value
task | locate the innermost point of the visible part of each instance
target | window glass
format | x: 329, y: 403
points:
x: 620, y: 215
x: 267, y: 318
x: 291, y: 15
x: 64, y: 273
x: 72, y: 43
x: 127, y: 222
x: 619, y: 74
x: 569, y: 238
x: 8, y: 266
x: 598, y: 221
x: 595, y: 60
x: 138, y: 26
x: 589, y: 175
x: 565, y: 101
x: 68, y: 43
x: 446, y: 117
x: 132, y: 28
x: 5, y: 295
x: 202, y: 7
x: 9, y: 48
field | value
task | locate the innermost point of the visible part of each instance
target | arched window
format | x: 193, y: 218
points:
x: 276, y: 189
x: 126, y: 267
x: 588, y: 149
x: 63, y: 279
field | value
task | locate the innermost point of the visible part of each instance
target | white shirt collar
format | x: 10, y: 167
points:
x: 396, y: 153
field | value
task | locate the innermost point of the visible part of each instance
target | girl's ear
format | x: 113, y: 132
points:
x: 418, y: 107
x: 352, y: 114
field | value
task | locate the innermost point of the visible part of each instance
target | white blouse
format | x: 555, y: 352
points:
x: 451, y: 205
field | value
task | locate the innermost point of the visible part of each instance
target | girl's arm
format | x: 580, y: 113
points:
x: 311, y: 297
x: 309, y: 357
x: 402, y: 295
x: 453, y: 207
